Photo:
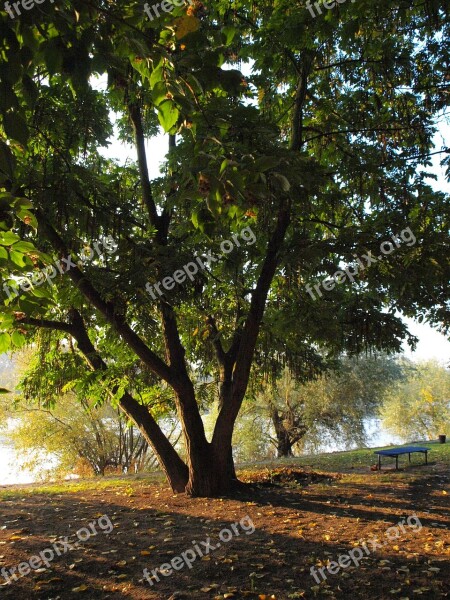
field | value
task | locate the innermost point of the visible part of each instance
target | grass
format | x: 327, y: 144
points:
x: 84, y: 485
x: 333, y: 462
x: 364, y: 457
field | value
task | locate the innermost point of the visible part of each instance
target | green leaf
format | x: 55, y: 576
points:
x: 7, y: 162
x: 156, y: 76
x: 41, y: 292
x: 228, y: 33
x: 4, y: 391
x: 28, y: 218
x: 53, y: 56
x: 284, y: 182
x: 5, y: 342
x: 17, y: 258
x: 20, y: 203
x: 168, y: 115
x: 8, y: 99
x: 227, y: 163
x: 6, y: 319
x: 24, y: 247
x: 30, y: 91
x: 266, y: 162
x: 159, y: 93
x: 141, y: 66
x: 8, y: 238
x: 18, y: 339
x: 3, y: 253
x: 16, y: 128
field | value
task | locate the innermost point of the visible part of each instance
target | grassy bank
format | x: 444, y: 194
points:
x: 363, y: 458
x: 334, y: 462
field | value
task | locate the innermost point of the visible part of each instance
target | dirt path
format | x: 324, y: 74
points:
x: 299, y: 521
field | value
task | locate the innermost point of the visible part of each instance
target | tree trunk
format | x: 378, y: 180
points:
x: 284, y: 445
x: 174, y: 468
x: 212, y: 473
x: 284, y: 442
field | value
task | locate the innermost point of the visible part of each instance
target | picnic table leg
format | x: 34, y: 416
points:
x: 379, y: 462
x: 409, y: 456
x: 396, y: 462
x: 426, y: 458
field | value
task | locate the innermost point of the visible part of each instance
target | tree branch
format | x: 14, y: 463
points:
x: 300, y: 96
x: 229, y: 411
x: 215, y: 339
x: 147, y: 195
x: 131, y: 407
x: 158, y: 366
x: 45, y: 323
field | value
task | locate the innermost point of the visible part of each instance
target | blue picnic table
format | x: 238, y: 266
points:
x: 396, y: 452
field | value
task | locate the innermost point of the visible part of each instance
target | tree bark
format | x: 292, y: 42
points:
x: 241, y: 355
x: 284, y: 442
x: 212, y: 473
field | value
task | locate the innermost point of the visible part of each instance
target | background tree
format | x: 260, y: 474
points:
x: 322, y: 150
x: 73, y: 438
x: 57, y: 431
x: 332, y: 409
x: 419, y: 408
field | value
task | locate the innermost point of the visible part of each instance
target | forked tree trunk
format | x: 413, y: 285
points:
x: 212, y: 472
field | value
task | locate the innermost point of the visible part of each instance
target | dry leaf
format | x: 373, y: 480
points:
x: 80, y: 588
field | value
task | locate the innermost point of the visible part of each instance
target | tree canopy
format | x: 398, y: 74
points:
x: 314, y: 134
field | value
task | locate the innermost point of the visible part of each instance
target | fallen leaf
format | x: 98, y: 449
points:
x: 80, y: 588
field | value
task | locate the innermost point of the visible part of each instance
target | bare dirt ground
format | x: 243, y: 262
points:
x: 301, y: 519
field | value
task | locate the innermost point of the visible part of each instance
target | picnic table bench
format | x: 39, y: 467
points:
x: 396, y: 452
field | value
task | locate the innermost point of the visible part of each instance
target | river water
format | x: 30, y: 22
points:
x: 9, y: 472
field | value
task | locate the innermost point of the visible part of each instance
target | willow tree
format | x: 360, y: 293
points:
x: 313, y: 134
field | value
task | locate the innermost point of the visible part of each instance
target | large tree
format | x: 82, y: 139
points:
x: 321, y: 149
